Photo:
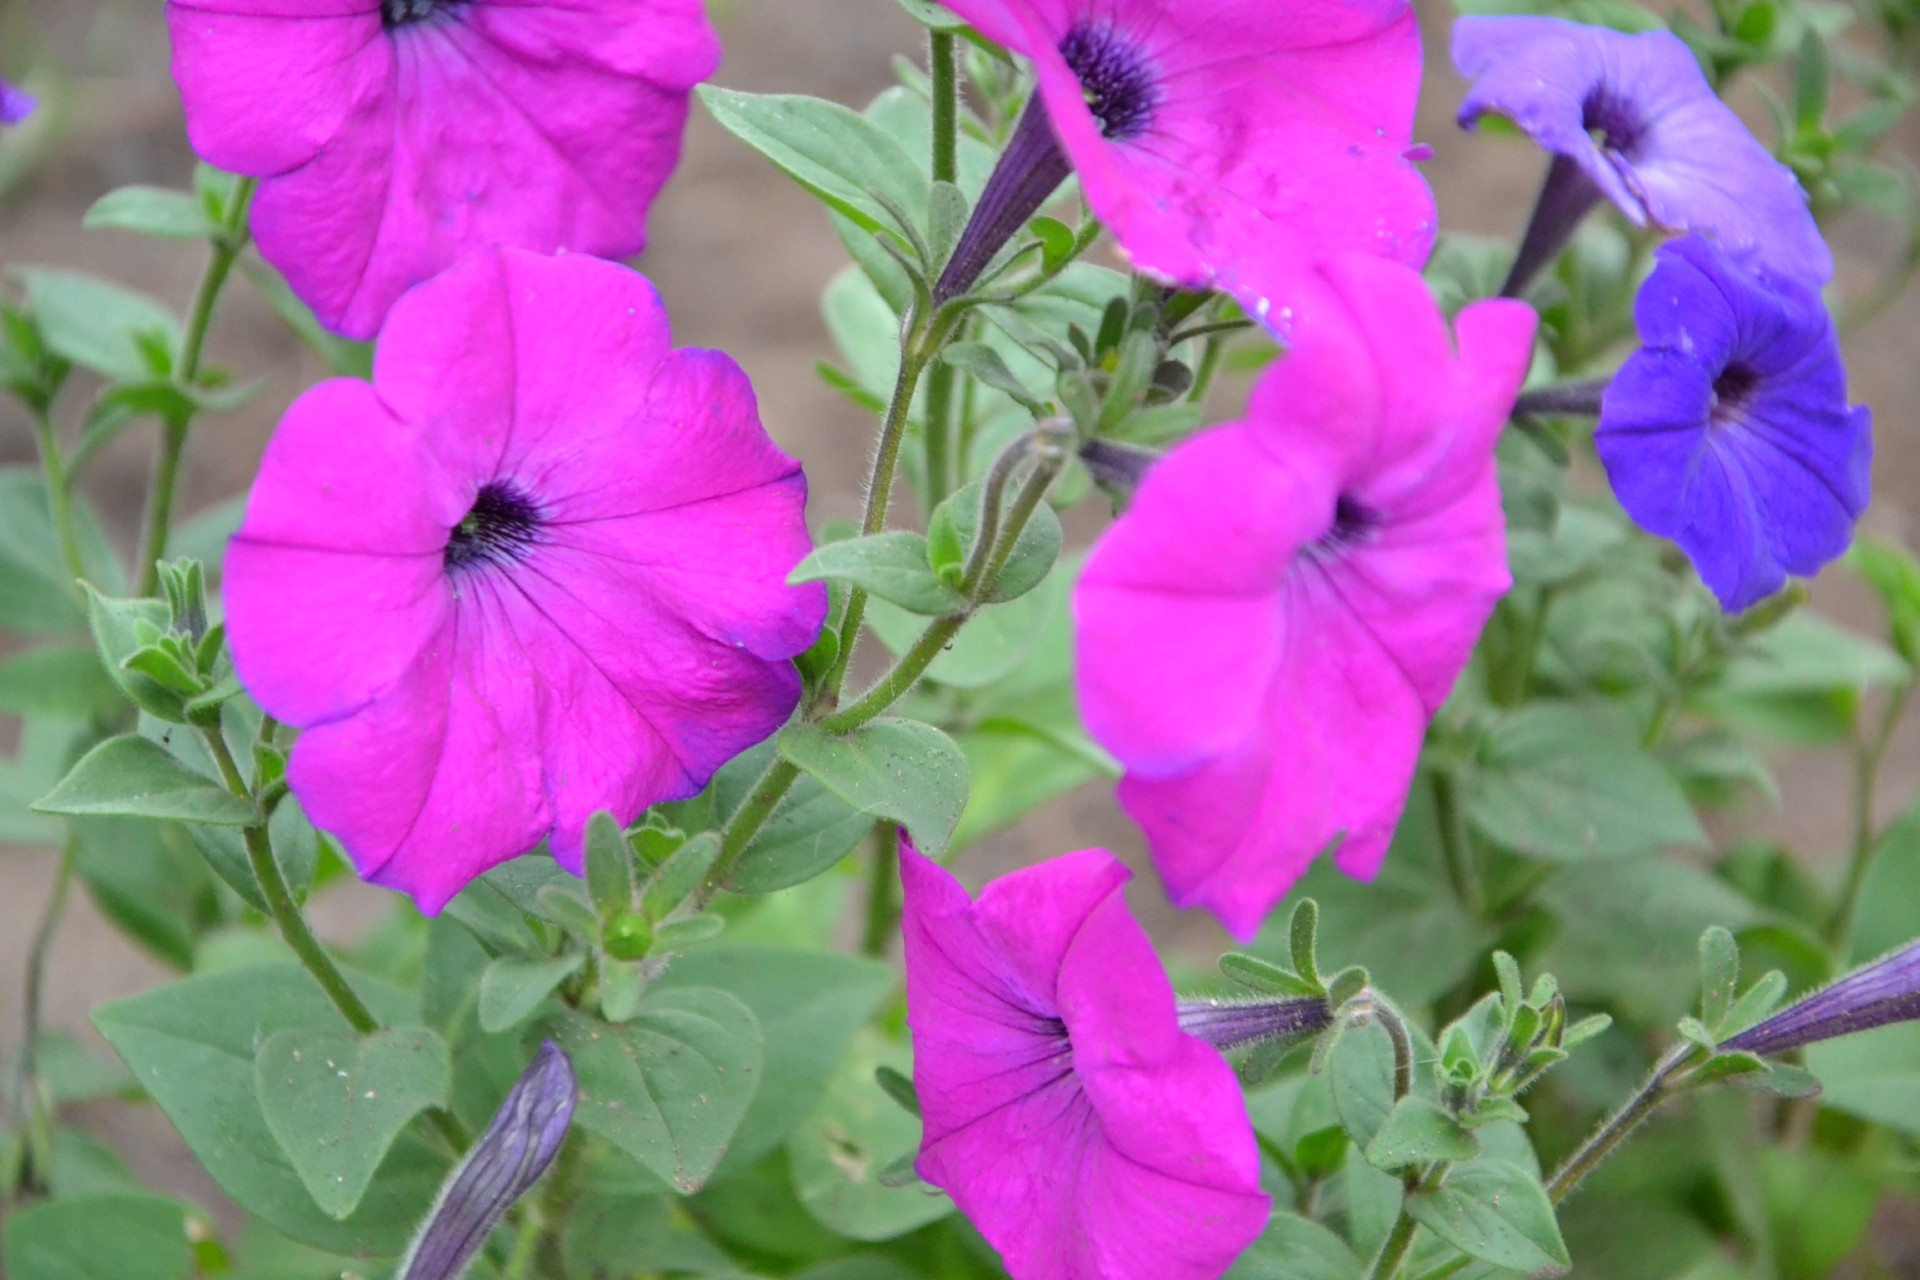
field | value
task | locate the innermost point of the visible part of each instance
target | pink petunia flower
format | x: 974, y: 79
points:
x: 536, y: 568
x: 1070, y: 1118
x: 1265, y: 633
x: 1224, y: 142
x: 393, y: 135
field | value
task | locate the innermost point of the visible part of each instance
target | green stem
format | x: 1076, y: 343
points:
x: 1617, y: 1127
x: 293, y: 928
x: 1518, y: 674
x: 1456, y: 844
x: 889, y: 688
x: 944, y: 72
x: 1399, y: 1242
x: 25, y: 1092
x: 228, y: 244
x: 886, y: 458
x: 942, y: 462
x: 746, y: 823
x: 59, y: 496
x: 883, y: 892
x: 1866, y: 832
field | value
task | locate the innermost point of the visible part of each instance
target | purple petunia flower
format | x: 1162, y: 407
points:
x: 1066, y: 1112
x: 1888, y: 990
x: 393, y: 135
x: 524, y: 1137
x: 1729, y: 431
x: 1632, y: 117
x: 1224, y: 143
x: 16, y: 104
x: 535, y: 569
x: 1265, y: 633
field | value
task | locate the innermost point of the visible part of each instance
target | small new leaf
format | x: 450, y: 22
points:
x: 1419, y: 1132
x: 1719, y: 976
x: 1266, y: 977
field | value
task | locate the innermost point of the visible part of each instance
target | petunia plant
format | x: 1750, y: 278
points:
x: 1430, y: 613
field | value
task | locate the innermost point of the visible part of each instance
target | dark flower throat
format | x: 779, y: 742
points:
x: 1353, y: 523
x: 1612, y: 122
x: 1114, y: 77
x: 502, y: 525
x: 400, y: 13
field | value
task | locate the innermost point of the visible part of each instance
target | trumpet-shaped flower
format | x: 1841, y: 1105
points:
x: 1886, y: 991
x: 1729, y: 431
x: 1633, y: 118
x: 1265, y: 633
x: 535, y: 569
x: 391, y: 136
x: 1225, y: 142
x: 1068, y: 1115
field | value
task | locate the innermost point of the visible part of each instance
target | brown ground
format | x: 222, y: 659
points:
x: 740, y: 255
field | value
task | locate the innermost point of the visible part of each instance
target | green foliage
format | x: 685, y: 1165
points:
x: 1497, y: 1212
x: 902, y: 770
x: 127, y: 1236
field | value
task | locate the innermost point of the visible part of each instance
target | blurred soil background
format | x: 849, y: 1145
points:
x: 741, y: 255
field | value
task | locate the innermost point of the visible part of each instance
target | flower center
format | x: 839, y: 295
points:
x: 502, y: 525
x: 1612, y: 122
x: 1731, y: 391
x: 1114, y: 77
x: 401, y: 13
x: 1353, y: 524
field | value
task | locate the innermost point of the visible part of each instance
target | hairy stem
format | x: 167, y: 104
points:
x: 943, y: 69
x: 59, y: 497
x: 228, y: 244
x: 299, y: 938
x: 1866, y: 833
x: 1616, y: 1128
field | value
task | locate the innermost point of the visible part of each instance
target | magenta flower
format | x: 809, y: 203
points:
x: 393, y: 135
x: 15, y: 104
x: 1070, y: 1118
x: 1632, y: 118
x: 1265, y: 633
x: 1729, y: 431
x: 535, y: 569
x: 1224, y: 143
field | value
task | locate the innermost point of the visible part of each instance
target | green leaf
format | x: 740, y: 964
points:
x: 148, y: 880
x: 1497, y: 1212
x: 96, y: 324
x: 670, y: 1087
x: 295, y: 845
x: 117, y: 625
x: 609, y: 866
x: 932, y: 15
x: 834, y: 152
x: 335, y: 1102
x: 1295, y: 1248
x: 809, y: 1004
x: 1802, y: 680
x: 1033, y: 554
x: 1361, y: 1072
x: 511, y: 988
x: 810, y: 830
x: 1419, y: 1132
x: 192, y: 1046
x: 1559, y: 782
x: 1266, y: 977
x: 1894, y: 575
x: 57, y: 682
x: 837, y: 1155
x: 1628, y: 932
x: 1719, y: 976
x: 151, y: 211
x: 36, y: 590
x: 902, y: 770
x: 1874, y: 1075
x: 136, y: 777
x: 122, y: 1236
x: 893, y: 566
x: 995, y: 642
x: 985, y: 364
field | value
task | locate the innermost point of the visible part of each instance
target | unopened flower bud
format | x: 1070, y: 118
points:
x: 1887, y: 990
x: 509, y: 1158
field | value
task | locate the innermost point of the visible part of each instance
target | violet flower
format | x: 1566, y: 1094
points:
x: 525, y: 1135
x: 1729, y: 431
x: 1265, y: 633
x: 16, y: 104
x: 536, y: 568
x: 391, y: 136
x: 1065, y: 1111
x: 1632, y: 118
x: 1225, y: 143
x: 1888, y: 990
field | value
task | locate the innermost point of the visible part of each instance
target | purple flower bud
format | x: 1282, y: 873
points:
x: 516, y: 1149
x: 1234, y: 1024
x: 1887, y: 990
x: 1117, y: 468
